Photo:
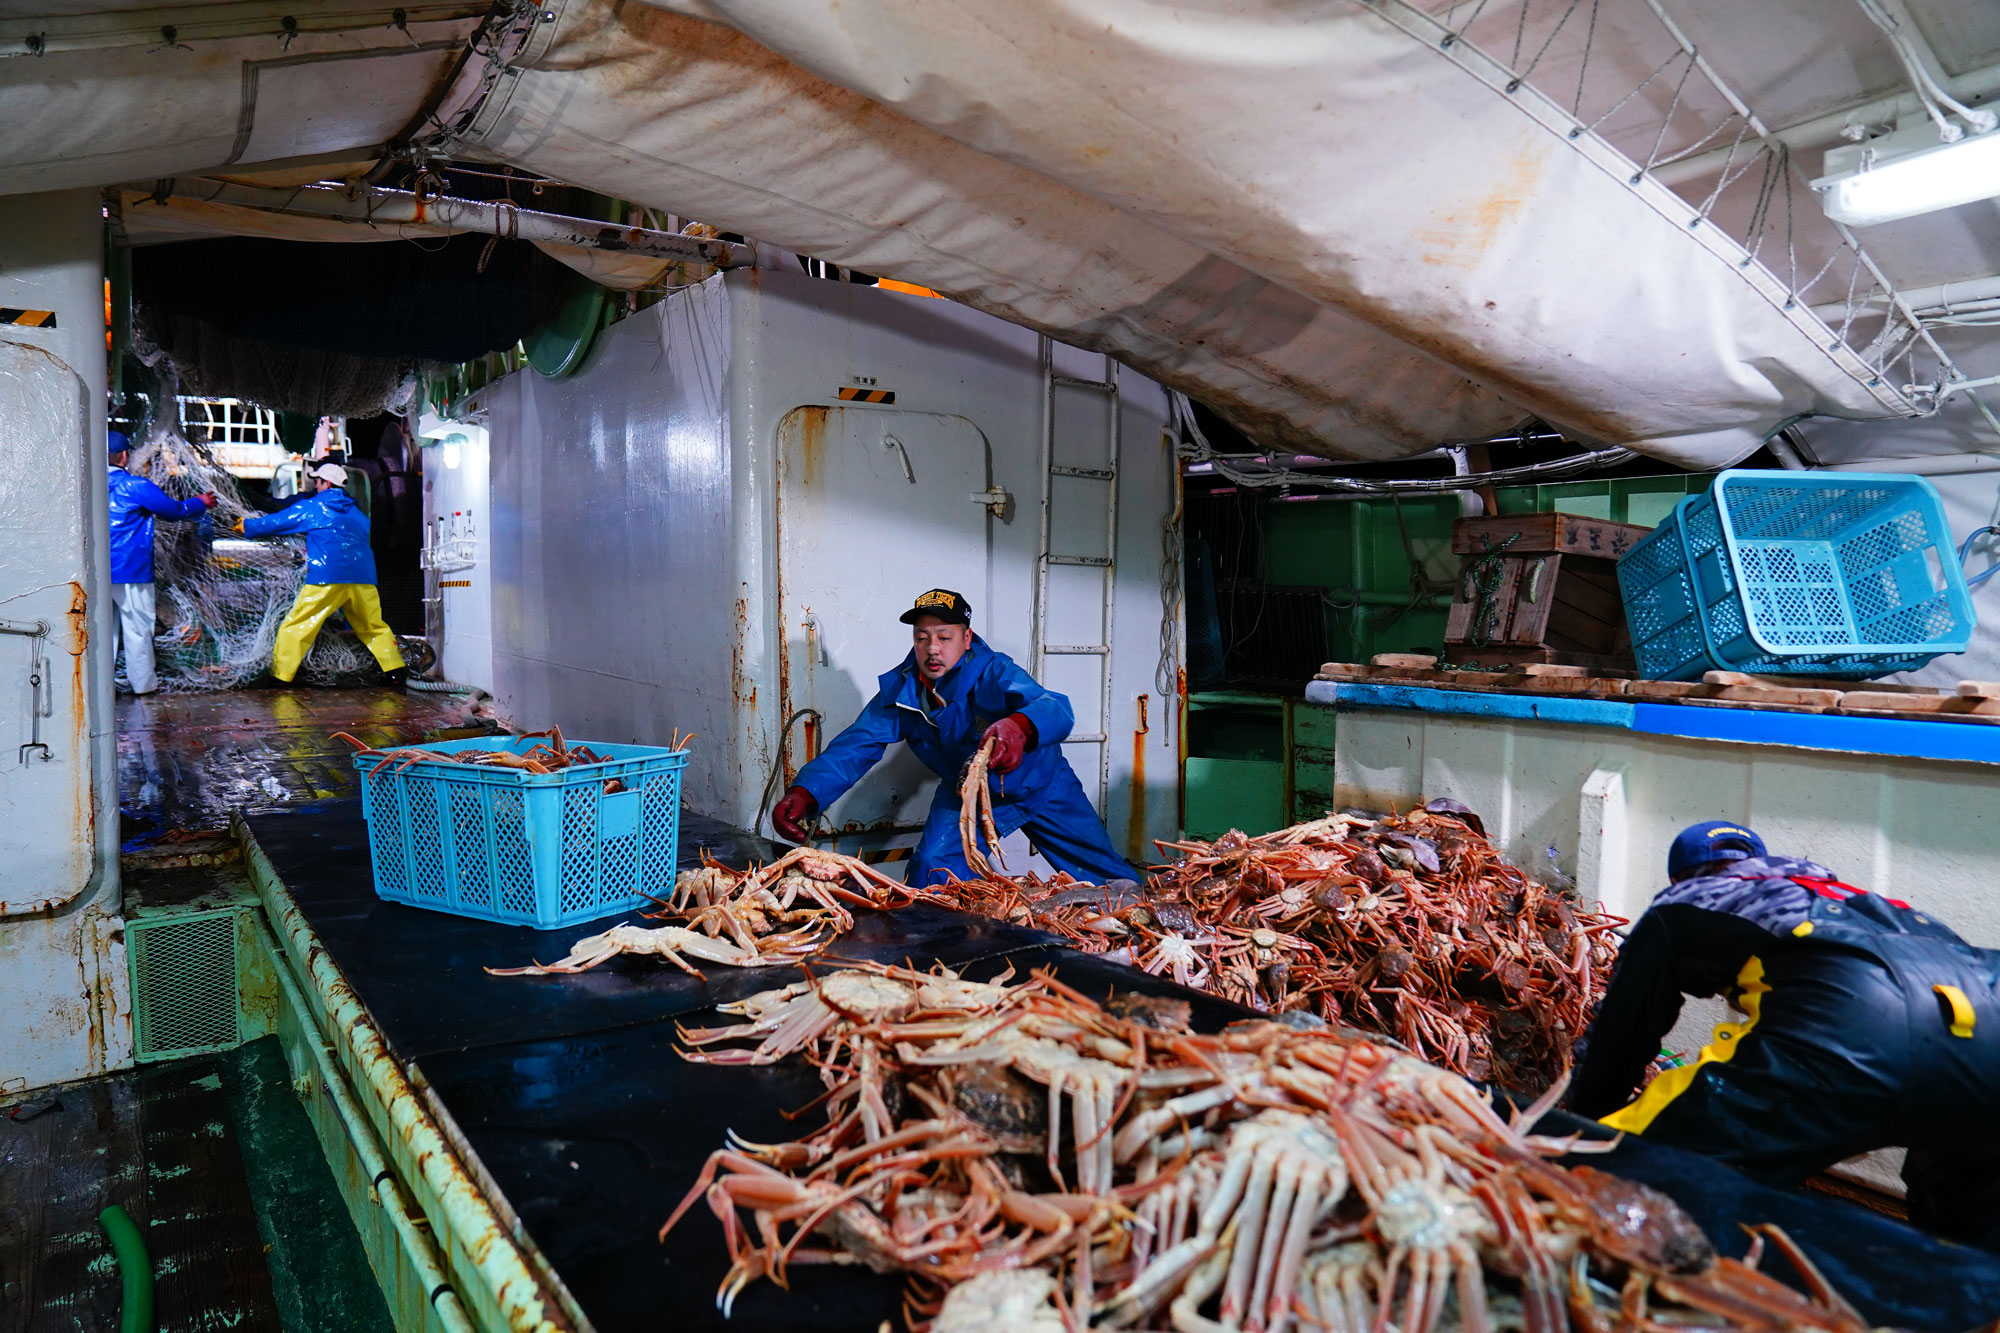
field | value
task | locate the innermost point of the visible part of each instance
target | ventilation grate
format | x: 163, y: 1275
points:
x: 183, y: 984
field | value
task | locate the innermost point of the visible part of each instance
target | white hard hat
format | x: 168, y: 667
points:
x: 332, y: 472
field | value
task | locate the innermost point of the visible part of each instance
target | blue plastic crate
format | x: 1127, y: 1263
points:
x: 1847, y: 574
x: 528, y: 849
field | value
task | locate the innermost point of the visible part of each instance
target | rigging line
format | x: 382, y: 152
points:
x: 1520, y: 31
x: 1647, y: 82
x: 1763, y: 132
x: 1727, y: 178
x: 1847, y: 315
x: 1791, y: 244
x: 1549, y: 41
x: 1760, y: 212
x: 1589, y: 39
x: 1471, y: 19
x: 1706, y: 139
x: 1668, y: 119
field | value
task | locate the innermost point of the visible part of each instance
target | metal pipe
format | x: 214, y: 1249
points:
x: 482, y: 1243
x: 371, y: 206
x: 1823, y: 130
x: 1966, y: 386
x: 1939, y: 299
x: 1936, y: 465
x: 1781, y: 449
x: 381, y: 1176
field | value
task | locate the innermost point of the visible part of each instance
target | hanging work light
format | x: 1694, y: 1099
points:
x: 1907, y: 172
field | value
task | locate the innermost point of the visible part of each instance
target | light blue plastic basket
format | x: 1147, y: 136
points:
x: 528, y: 849
x: 1847, y: 574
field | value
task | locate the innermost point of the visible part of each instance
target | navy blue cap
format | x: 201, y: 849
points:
x: 1711, y: 840
x: 118, y: 441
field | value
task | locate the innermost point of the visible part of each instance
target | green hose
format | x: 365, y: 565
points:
x: 135, y: 1269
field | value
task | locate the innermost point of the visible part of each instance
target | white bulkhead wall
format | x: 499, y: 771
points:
x: 635, y: 543
x: 62, y: 957
x: 458, y: 583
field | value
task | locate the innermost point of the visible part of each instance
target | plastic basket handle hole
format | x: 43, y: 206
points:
x: 1713, y: 573
x: 618, y: 814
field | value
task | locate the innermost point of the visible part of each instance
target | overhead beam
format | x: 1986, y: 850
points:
x: 1972, y: 86
x: 1938, y: 299
x: 366, y: 206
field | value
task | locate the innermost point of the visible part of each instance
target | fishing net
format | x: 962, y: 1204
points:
x: 221, y: 596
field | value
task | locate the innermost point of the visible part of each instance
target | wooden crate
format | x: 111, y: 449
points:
x: 1540, y: 588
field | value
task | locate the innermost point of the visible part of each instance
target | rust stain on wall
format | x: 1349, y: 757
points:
x: 737, y: 690
x: 79, y: 619
x: 1135, y: 824
x: 812, y: 442
x: 80, y: 756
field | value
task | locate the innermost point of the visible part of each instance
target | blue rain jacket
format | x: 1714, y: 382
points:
x: 944, y: 731
x: 135, y: 502
x: 336, y: 533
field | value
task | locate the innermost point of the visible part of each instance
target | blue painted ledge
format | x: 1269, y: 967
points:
x: 1963, y: 742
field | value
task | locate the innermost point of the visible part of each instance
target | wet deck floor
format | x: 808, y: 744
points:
x: 187, y: 761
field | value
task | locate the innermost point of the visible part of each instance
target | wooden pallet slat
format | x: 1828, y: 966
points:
x: 1566, y: 534
x: 1979, y: 704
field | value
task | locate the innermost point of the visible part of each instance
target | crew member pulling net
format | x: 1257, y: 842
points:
x: 221, y: 598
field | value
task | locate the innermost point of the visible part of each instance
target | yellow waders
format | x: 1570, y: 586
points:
x: 316, y: 602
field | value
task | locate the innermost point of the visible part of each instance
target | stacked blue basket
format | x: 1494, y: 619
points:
x: 529, y: 849
x: 1848, y: 574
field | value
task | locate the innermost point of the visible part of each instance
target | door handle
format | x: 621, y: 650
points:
x: 909, y: 473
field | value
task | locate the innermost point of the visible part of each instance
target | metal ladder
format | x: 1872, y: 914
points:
x: 1104, y: 564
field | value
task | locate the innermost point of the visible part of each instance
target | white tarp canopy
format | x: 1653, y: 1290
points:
x: 1344, y: 234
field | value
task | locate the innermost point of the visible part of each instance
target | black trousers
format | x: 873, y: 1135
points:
x: 1854, y: 1051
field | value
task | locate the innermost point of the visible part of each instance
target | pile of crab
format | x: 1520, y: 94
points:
x: 766, y: 916
x: 1032, y: 1160
x: 553, y: 756
x: 1413, y: 926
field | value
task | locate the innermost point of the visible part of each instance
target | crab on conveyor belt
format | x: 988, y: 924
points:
x: 763, y: 916
x: 1030, y: 1159
x: 1413, y: 926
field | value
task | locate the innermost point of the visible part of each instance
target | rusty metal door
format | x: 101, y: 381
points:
x: 874, y: 506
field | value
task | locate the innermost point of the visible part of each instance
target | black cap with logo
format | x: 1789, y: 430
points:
x: 943, y: 603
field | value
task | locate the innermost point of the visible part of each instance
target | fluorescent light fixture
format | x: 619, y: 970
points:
x: 1906, y: 173
x: 454, y: 450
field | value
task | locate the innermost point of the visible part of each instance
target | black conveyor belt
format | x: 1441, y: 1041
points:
x: 570, y: 1092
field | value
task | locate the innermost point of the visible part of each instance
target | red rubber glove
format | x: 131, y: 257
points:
x: 790, y: 814
x: 207, y: 498
x: 1011, y: 737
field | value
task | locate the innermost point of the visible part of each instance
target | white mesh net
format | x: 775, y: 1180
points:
x: 221, y: 596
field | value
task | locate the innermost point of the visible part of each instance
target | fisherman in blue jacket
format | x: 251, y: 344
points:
x: 340, y: 575
x: 948, y: 697
x: 135, y: 503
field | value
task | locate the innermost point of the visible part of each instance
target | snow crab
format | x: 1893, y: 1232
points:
x: 676, y: 944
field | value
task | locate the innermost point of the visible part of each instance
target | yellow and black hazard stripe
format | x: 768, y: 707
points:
x: 46, y: 319
x: 867, y: 395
